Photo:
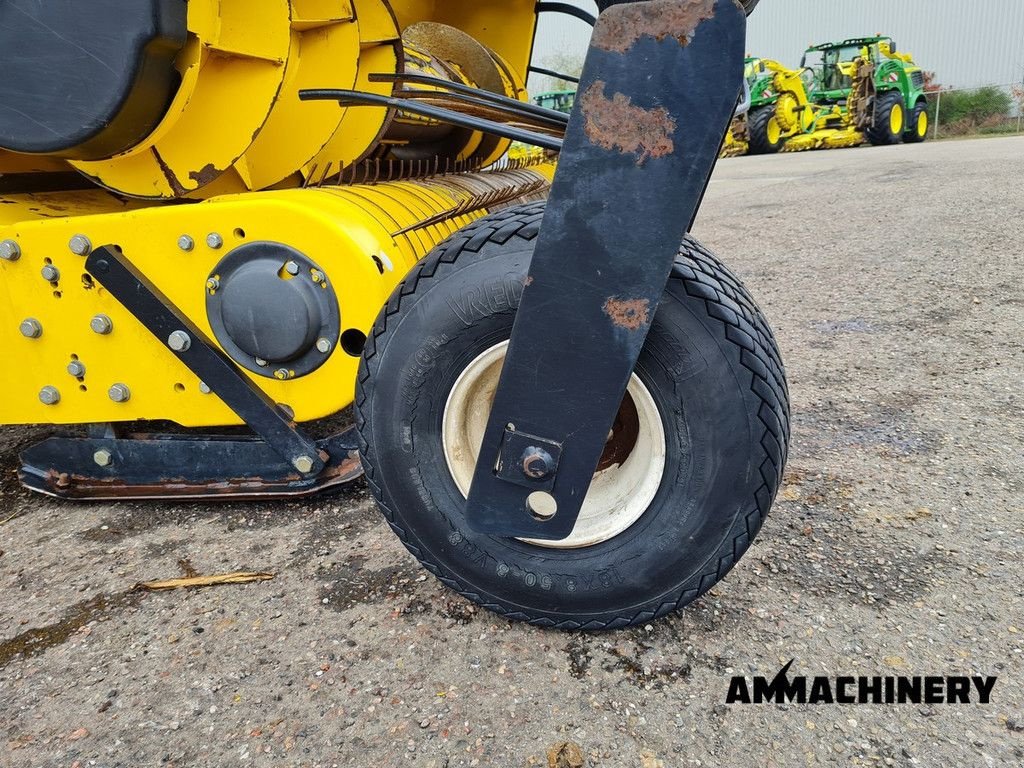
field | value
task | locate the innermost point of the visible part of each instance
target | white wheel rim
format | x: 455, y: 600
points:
x: 619, y: 495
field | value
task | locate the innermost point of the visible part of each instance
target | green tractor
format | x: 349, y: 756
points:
x: 560, y: 101
x: 888, y: 85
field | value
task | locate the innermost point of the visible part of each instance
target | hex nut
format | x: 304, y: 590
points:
x: 213, y: 285
x: 101, y: 324
x: 103, y: 458
x: 303, y: 464
x: 292, y: 268
x: 80, y: 245
x: 186, y: 243
x: 179, y: 341
x: 50, y: 273
x: 260, y: 362
x: 214, y: 240
x: 119, y: 393
x: 31, y: 328
x: 10, y: 250
x: 324, y: 346
x: 49, y: 396
x: 282, y: 374
x: 76, y: 368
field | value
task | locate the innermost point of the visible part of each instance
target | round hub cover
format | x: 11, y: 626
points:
x: 270, y: 306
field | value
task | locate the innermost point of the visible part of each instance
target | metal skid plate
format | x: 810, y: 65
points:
x: 656, y: 96
x: 176, y: 467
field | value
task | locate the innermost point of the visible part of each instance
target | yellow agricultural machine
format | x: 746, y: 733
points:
x: 778, y: 109
x: 242, y: 217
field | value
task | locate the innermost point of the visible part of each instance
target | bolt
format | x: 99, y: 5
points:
x: 186, y: 243
x: 304, y: 464
x: 102, y: 325
x: 318, y: 276
x: 120, y: 393
x: 179, y: 341
x: 324, y: 346
x: 282, y: 374
x: 80, y: 245
x: 212, y: 285
x: 204, y: 388
x: 103, y: 458
x: 76, y: 368
x: 261, y: 362
x: 50, y: 273
x: 10, y: 250
x: 537, y: 463
x: 292, y: 268
x: 49, y: 396
x: 31, y: 329
x: 214, y: 240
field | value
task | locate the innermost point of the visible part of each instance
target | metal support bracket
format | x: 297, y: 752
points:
x: 656, y: 97
x: 172, y: 328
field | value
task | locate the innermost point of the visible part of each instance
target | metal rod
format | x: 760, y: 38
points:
x: 359, y: 99
x: 556, y: 75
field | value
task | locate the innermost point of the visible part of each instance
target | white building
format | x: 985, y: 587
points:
x: 966, y: 43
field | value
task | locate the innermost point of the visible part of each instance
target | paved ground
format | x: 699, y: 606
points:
x: 894, y: 280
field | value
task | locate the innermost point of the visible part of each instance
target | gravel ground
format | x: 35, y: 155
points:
x: 893, y: 277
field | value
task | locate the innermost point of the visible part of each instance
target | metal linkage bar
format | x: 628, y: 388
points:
x: 348, y: 98
x: 657, y: 94
x: 567, y: 10
x: 556, y: 75
x: 165, y: 321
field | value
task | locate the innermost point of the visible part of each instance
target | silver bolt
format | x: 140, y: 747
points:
x: 204, y: 388
x: 261, y: 362
x: 49, y: 396
x: 318, y: 276
x: 282, y: 374
x: 103, y: 457
x: 102, y: 324
x: 324, y: 346
x: 50, y: 273
x: 10, y: 250
x: 80, y: 245
x: 291, y: 267
x: 179, y: 341
x: 76, y: 368
x: 31, y: 329
x: 120, y: 393
x: 186, y: 243
x: 304, y: 464
x: 214, y: 240
x: 213, y: 284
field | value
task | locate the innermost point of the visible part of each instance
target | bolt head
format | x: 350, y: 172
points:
x: 204, y: 388
x: 318, y: 276
x: 324, y: 346
x: 80, y: 245
x: 10, y: 250
x: 179, y: 341
x: 260, y: 362
x: 213, y: 285
x: 103, y: 458
x: 214, y: 240
x: 304, y: 464
x: 49, y: 396
x: 282, y: 374
x: 186, y: 243
x: 31, y: 328
x: 537, y: 463
x: 50, y: 273
x: 119, y: 393
x: 76, y: 368
x: 291, y: 267
x: 101, y: 324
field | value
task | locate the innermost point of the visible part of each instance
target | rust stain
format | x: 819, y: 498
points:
x: 528, y: 281
x: 205, y: 175
x: 622, y: 26
x: 172, y: 180
x: 617, y: 123
x: 631, y: 314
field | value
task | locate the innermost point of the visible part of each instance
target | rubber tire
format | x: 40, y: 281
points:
x: 710, y: 362
x: 757, y: 127
x: 911, y: 136
x: 880, y: 133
